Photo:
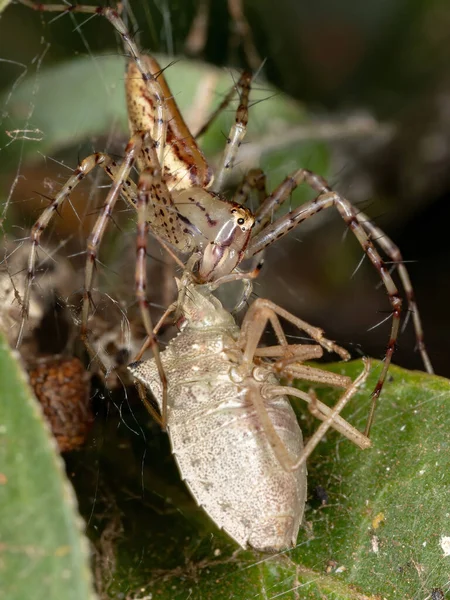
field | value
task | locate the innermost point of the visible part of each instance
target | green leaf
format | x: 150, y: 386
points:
x: 48, y: 120
x: 381, y: 533
x: 47, y: 104
x: 4, y: 4
x: 43, y: 553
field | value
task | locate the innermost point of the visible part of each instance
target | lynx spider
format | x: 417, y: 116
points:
x: 176, y: 197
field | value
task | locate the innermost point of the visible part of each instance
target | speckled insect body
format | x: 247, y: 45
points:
x: 218, y: 442
x: 233, y: 432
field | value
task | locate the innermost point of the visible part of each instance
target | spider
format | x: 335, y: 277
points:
x: 178, y: 199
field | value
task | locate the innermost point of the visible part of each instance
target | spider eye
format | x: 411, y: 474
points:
x: 241, y: 221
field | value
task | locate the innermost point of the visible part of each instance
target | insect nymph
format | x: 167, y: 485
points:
x: 233, y: 432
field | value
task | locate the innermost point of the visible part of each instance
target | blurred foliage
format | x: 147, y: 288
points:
x: 56, y: 126
x: 3, y: 5
x: 375, y: 54
x: 44, y: 552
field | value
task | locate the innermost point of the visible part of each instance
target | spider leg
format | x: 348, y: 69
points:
x: 393, y: 252
x: 85, y: 167
x: 132, y: 150
x: 237, y: 132
x: 222, y: 106
x: 366, y: 233
x: 153, y: 88
x: 141, y: 286
x: 255, y: 179
x: 196, y: 38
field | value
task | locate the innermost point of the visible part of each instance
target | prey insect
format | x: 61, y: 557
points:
x: 233, y: 432
x: 178, y: 198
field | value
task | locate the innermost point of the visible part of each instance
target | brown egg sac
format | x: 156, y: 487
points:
x: 62, y: 387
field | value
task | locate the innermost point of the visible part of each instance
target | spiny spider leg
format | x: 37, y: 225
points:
x: 358, y: 223
x: 393, y: 252
x: 237, y: 132
x: 222, y: 106
x: 88, y: 164
x: 132, y: 150
x: 255, y: 179
x: 141, y: 289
